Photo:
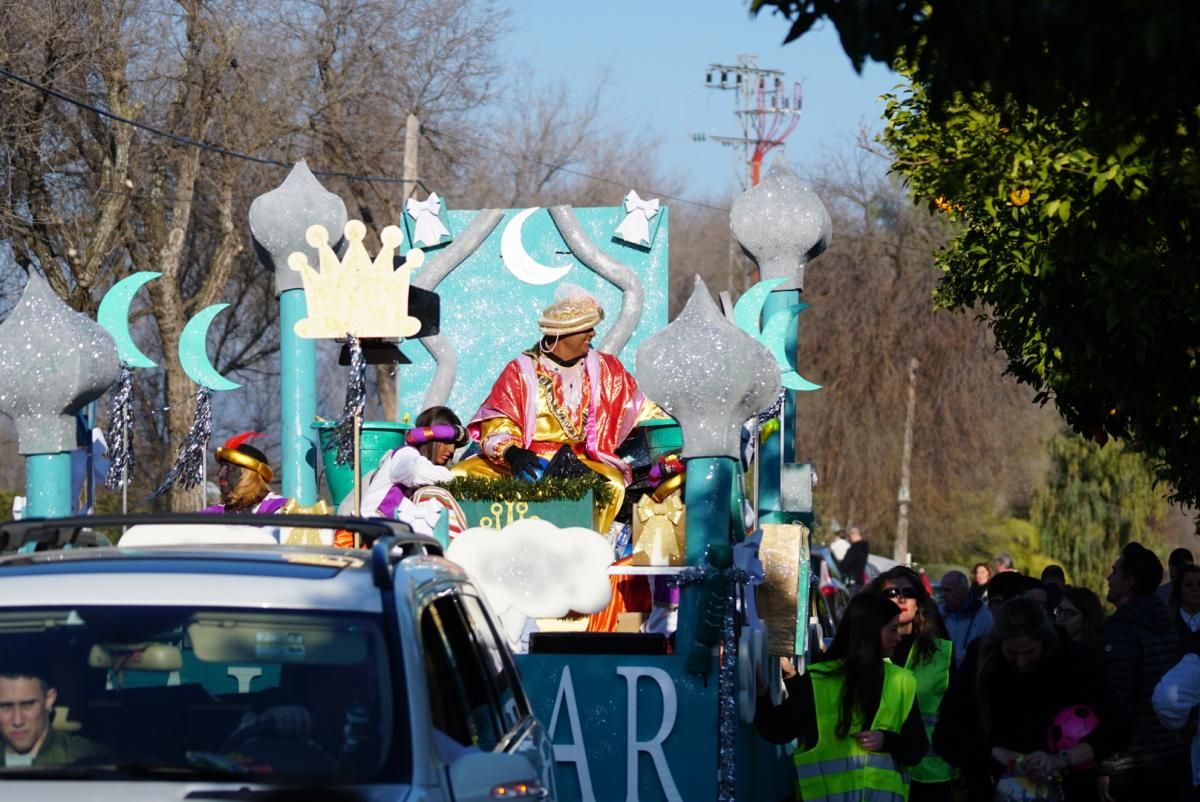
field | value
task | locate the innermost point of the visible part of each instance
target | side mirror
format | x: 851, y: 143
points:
x: 475, y: 776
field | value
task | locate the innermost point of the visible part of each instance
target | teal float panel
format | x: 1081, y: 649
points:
x: 626, y: 727
x: 489, y: 315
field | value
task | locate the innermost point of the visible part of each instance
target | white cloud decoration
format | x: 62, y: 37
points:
x: 534, y: 569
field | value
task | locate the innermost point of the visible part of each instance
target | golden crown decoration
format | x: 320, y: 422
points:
x: 355, y: 295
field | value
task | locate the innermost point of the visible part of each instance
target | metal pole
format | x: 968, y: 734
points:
x: 125, y: 468
x: 357, y: 473
x: 298, y: 403
x: 48, y: 486
x: 89, y: 484
x: 780, y: 447
x: 904, y: 496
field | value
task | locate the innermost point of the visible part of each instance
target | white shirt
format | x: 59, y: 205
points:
x: 1193, y: 621
x: 1174, y: 697
x: 839, y: 546
x: 13, y: 760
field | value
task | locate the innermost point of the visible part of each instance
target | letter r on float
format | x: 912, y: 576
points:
x: 652, y: 747
x: 576, y: 751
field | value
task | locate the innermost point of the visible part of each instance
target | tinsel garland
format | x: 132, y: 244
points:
x: 120, y: 419
x: 506, y: 488
x: 773, y: 410
x: 356, y: 396
x: 727, y: 716
x: 188, y: 469
x: 726, y: 675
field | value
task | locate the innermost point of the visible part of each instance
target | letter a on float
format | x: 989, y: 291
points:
x: 576, y: 751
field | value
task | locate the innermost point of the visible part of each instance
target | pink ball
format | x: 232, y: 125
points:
x: 1070, y: 726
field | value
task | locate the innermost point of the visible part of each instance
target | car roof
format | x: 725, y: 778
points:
x: 216, y: 574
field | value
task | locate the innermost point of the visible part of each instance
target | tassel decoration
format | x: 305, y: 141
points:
x: 356, y: 396
x: 188, y: 469
x: 120, y: 436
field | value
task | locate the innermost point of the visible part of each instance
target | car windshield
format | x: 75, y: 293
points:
x: 154, y: 692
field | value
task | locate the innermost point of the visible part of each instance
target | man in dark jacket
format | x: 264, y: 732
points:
x: 1139, y: 645
x: 854, y: 564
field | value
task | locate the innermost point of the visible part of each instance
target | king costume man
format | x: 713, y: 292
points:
x: 560, y: 393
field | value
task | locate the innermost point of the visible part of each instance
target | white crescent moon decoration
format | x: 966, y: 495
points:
x: 193, y: 354
x: 517, y: 259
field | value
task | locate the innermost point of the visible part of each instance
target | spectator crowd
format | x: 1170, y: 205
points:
x: 1014, y: 688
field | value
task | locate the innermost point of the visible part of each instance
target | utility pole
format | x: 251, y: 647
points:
x: 904, y: 496
x: 412, y: 137
x: 766, y: 110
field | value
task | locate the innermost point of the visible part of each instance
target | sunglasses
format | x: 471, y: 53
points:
x: 898, y: 593
x: 1065, y: 612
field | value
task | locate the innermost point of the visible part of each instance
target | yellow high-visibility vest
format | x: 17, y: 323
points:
x: 838, y: 769
x: 933, y: 678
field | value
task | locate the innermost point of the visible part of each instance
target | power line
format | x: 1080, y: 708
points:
x: 186, y: 140
x: 572, y: 171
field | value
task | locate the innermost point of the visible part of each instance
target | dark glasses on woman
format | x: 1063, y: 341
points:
x: 897, y: 593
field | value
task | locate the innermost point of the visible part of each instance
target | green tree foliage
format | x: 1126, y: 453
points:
x: 1096, y: 499
x: 1061, y: 138
x: 1085, y: 261
x: 1134, y: 64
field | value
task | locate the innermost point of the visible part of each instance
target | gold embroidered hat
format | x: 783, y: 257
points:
x: 573, y: 311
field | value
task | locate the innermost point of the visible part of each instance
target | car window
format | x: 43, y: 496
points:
x: 505, y: 683
x: 462, y: 699
x: 178, y: 691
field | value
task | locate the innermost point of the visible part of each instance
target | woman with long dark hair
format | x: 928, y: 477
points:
x: 925, y: 651
x: 854, y: 712
x: 997, y: 715
x: 1080, y: 615
x: 403, y: 486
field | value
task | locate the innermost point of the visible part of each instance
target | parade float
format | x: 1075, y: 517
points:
x: 720, y: 519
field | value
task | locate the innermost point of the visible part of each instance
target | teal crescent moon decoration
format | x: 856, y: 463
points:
x: 747, y: 312
x: 774, y: 337
x: 193, y: 351
x: 113, y: 317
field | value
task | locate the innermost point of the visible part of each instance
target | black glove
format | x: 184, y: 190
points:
x: 524, y: 463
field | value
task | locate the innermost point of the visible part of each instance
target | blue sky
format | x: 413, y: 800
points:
x: 656, y: 53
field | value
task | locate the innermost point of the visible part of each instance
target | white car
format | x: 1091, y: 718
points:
x: 232, y: 669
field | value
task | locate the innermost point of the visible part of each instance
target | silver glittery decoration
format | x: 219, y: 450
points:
x: 439, y: 266
x: 54, y: 361
x: 709, y: 375
x: 120, y: 422
x: 279, y: 219
x: 188, y: 469
x: 589, y: 253
x: 356, y: 397
x: 782, y: 224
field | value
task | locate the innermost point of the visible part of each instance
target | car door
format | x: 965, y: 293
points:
x: 476, y: 698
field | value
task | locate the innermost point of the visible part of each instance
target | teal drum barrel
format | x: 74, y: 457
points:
x: 378, y: 438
